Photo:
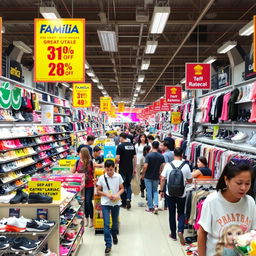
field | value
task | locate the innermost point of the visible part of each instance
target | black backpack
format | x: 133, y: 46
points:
x: 175, y: 182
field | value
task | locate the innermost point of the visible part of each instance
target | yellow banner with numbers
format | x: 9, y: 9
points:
x: 121, y: 107
x: 105, y: 104
x: 82, y: 95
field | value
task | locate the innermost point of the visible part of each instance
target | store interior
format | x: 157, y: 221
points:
x: 127, y: 55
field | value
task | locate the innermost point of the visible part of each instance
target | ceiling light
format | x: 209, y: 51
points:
x: 95, y: 79
x: 183, y: 80
x: 100, y: 86
x: 227, y: 47
x: 145, y: 64
x: 210, y: 59
x: 3, y: 29
x: 247, y: 30
x: 65, y: 84
x: 23, y: 47
x: 159, y: 19
x: 108, y: 40
x: 135, y: 94
x: 151, y: 47
x: 141, y: 78
x: 49, y: 13
x: 138, y: 86
x: 90, y: 73
x: 86, y: 65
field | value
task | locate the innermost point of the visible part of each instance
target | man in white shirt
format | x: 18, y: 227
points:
x: 173, y: 201
x: 110, y: 187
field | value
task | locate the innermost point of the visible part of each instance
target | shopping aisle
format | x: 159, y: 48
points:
x: 141, y: 234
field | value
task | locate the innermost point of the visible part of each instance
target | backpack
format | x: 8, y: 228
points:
x: 175, y: 183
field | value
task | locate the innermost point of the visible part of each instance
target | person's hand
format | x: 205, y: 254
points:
x: 109, y: 196
x: 115, y: 197
x: 142, y: 176
x: 162, y: 194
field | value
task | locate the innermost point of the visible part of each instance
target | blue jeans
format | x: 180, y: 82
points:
x: 106, y: 217
x: 127, y: 195
x: 172, y: 202
x: 152, y: 193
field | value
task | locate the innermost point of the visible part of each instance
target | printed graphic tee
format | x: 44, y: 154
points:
x: 223, y: 221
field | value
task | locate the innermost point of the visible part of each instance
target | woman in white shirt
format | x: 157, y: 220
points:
x: 227, y: 212
x: 142, y: 142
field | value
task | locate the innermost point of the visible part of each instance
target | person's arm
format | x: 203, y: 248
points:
x: 196, y: 173
x: 119, y: 193
x: 162, y: 183
x: 73, y: 170
x: 101, y: 193
x: 201, y: 241
x: 161, y: 167
x: 117, y: 159
x: 134, y: 164
x: 144, y: 169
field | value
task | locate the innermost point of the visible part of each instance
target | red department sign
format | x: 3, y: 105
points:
x: 164, y: 106
x: 157, y: 106
x: 173, y: 94
x: 198, y: 76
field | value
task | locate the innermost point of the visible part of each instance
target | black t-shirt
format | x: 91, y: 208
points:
x: 126, y: 151
x: 171, y: 142
x: 205, y: 171
x: 130, y: 137
x: 99, y: 159
x: 154, y: 161
x: 83, y: 145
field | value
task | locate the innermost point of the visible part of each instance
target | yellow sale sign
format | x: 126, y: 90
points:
x: 176, y: 118
x: 82, y: 95
x: 113, y: 111
x: 105, y: 104
x: 121, y: 107
x: 59, y: 50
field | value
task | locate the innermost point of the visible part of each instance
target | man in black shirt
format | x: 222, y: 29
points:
x: 90, y: 140
x: 171, y: 141
x: 126, y: 157
x: 98, y: 160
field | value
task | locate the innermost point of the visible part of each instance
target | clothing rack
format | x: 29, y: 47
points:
x: 205, y: 181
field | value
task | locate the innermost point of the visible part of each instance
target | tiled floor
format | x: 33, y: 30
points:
x: 141, y: 234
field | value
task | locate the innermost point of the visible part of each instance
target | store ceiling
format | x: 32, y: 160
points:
x: 167, y: 66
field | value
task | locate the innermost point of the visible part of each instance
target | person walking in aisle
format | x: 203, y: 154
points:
x: 85, y: 165
x: 228, y: 211
x: 153, y: 166
x: 98, y: 159
x: 142, y: 142
x: 171, y: 141
x: 167, y: 153
x: 89, y: 142
x: 150, y: 139
x: 180, y: 169
x: 126, y: 157
x: 110, y: 187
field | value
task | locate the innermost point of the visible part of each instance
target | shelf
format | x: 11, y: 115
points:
x: 18, y: 168
x: 44, y: 166
x: 210, y: 124
x: 78, y: 246
x: 233, y: 124
x: 64, y: 138
x: 24, y: 184
x: 51, y: 103
x: 10, y: 149
x: 20, y: 177
x: 67, y: 205
x: 237, y: 147
x: 79, y: 233
x: 216, y: 91
x: 59, y: 153
x: 14, y: 159
x: 242, y: 102
x: 52, y: 148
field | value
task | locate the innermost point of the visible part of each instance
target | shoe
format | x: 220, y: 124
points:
x: 181, y: 237
x: 142, y: 194
x: 4, y: 244
x: 66, y: 242
x: 172, y: 237
x: 6, y: 199
x: 20, y: 197
x: 155, y: 210
x: 34, y: 226
x: 91, y: 223
x: 63, y: 250
x: 45, y: 222
x: 149, y: 209
x: 36, y: 198
x: 15, y: 225
x: 19, y: 244
x: 107, y: 250
x: 115, y: 239
x: 128, y: 204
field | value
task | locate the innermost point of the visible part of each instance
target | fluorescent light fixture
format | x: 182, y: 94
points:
x: 107, y: 40
x: 145, y: 64
x: 247, y: 30
x: 151, y: 47
x: 210, y: 59
x: 95, y: 79
x: 3, y: 29
x: 100, y: 86
x: 159, y: 19
x: 183, y: 80
x: 138, y: 86
x: 227, y: 47
x: 23, y: 47
x: 71, y: 89
x: 65, y: 84
x: 86, y: 65
x: 141, y: 78
x: 90, y: 73
x: 135, y: 94
x: 49, y: 13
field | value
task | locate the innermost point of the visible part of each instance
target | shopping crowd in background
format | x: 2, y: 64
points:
x: 161, y: 172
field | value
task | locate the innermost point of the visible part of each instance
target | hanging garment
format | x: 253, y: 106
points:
x: 232, y: 107
x: 224, y: 113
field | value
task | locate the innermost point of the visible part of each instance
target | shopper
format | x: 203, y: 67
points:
x: 142, y: 142
x: 150, y: 139
x: 126, y: 157
x: 202, y: 168
x: 229, y: 207
x: 89, y: 142
x: 110, y: 187
x: 129, y: 135
x: 171, y: 141
x: 85, y: 165
x: 98, y: 160
x: 176, y: 201
x: 167, y: 153
x: 153, y: 166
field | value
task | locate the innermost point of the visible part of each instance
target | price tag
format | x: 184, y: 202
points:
x: 82, y: 95
x: 59, y: 50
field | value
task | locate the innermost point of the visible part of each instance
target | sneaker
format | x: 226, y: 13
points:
x: 107, y: 250
x: 66, y: 242
x: 142, y: 194
x: 149, y: 209
x: 172, y: 237
x: 181, y: 237
x: 36, y: 198
x: 64, y: 250
x: 45, y: 222
x: 128, y: 204
x: 4, y: 244
x: 20, y: 197
x: 155, y: 210
x: 19, y: 244
x: 115, y: 239
x: 34, y: 226
x: 15, y: 225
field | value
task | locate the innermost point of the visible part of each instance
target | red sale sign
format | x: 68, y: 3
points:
x: 156, y: 106
x: 173, y: 94
x: 164, y: 106
x: 198, y: 76
x: 151, y: 109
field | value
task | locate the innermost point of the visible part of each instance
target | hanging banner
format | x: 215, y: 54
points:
x: 156, y: 106
x: 254, y: 43
x: 121, y: 107
x: 113, y: 112
x: 173, y: 94
x: 47, y: 114
x: 82, y: 95
x: 198, y: 76
x: 1, y: 26
x: 59, y: 50
x: 105, y: 104
x: 151, y: 109
x: 164, y: 106
x: 176, y: 118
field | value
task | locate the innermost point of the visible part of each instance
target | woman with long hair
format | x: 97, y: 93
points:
x: 85, y: 165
